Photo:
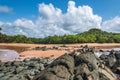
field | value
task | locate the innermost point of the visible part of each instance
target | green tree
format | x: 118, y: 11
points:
x: 117, y: 38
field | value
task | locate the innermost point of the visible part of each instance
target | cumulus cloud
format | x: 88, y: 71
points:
x: 24, y: 23
x: 1, y: 23
x: 75, y: 20
x: 81, y: 18
x: 112, y: 25
x: 5, y: 9
x: 51, y: 21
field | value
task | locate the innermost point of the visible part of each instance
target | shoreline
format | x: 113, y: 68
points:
x: 26, y: 50
x: 76, y: 44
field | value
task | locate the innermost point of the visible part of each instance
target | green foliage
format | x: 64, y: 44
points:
x: 91, y: 36
x: 117, y: 38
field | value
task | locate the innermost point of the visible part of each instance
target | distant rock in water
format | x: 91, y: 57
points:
x: 8, y: 55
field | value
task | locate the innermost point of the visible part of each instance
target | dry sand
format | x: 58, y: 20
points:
x: 25, y: 49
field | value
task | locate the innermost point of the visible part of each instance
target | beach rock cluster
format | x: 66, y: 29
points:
x: 112, y: 61
x: 81, y: 64
x: 22, y: 70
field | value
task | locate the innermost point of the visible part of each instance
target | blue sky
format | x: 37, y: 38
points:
x: 19, y: 14
x: 29, y: 8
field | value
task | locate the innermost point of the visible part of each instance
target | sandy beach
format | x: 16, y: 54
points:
x: 26, y: 50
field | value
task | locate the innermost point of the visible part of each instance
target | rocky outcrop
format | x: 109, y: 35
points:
x: 22, y: 70
x: 78, y: 65
x: 112, y: 61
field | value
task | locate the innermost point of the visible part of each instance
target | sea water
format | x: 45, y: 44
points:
x: 8, y: 55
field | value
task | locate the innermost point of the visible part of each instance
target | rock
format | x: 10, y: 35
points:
x: 17, y: 70
x: 61, y: 69
x: 1, y: 64
x: 4, y: 78
x: 31, y: 65
x: 28, y: 77
x: 78, y: 77
x: 2, y: 74
x: 117, y: 55
x: 41, y: 67
x: 90, y: 59
x: 101, y: 50
x: 111, y: 59
x: 103, y: 57
x: 82, y: 69
x: 118, y: 70
x: 83, y: 66
x: 16, y: 63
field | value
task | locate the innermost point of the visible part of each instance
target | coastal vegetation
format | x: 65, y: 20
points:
x: 90, y: 36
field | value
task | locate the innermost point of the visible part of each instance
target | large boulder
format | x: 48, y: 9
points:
x: 61, y: 69
x: 80, y: 65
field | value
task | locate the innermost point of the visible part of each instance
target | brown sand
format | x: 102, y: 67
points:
x: 24, y: 49
x: 48, y: 53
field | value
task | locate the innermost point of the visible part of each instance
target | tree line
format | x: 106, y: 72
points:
x: 90, y: 36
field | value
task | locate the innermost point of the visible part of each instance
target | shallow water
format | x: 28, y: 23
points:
x: 98, y: 54
x: 8, y: 55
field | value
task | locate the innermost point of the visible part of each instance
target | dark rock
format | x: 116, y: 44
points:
x: 78, y: 77
x: 111, y: 59
x: 1, y: 74
x: 118, y: 70
x: 103, y: 57
x: 117, y: 55
x: 101, y: 50
x: 17, y: 70
x: 16, y: 63
x: 28, y: 77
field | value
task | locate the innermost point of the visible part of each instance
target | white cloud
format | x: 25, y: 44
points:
x: 81, y: 18
x: 52, y: 21
x: 5, y: 9
x: 1, y: 23
x: 12, y: 29
x: 24, y: 23
x: 75, y: 20
x: 112, y: 25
